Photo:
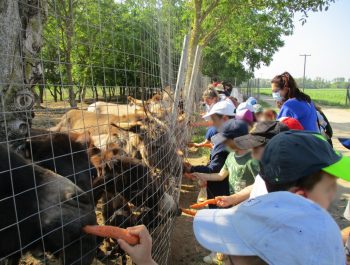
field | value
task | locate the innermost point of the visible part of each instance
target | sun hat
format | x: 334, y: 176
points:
x: 245, y: 105
x: 292, y: 155
x: 279, y: 227
x: 245, y: 115
x: 230, y: 130
x: 223, y: 108
x: 251, y: 101
x: 261, y: 133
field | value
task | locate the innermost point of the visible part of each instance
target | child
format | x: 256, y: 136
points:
x: 277, y: 228
x: 256, y: 141
x: 280, y: 227
x: 269, y: 115
x: 303, y: 163
x: 221, y: 112
x: 239, y: 168
x: 258, y: 112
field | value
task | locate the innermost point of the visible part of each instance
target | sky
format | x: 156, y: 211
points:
x: 326, y: 36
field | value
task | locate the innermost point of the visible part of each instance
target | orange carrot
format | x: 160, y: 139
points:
x: 202, y: 124
x: 112, y: 232
x: 188, y: 211
x: 203, y: 204
x: 208, y: 145
x: 189, y: 176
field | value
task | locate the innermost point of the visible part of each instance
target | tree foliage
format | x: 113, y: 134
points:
x: 249, y: 32
x: 113, y: 47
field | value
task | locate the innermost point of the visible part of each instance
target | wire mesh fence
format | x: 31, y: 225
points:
x: 92, y: 126
x: 251, y: 88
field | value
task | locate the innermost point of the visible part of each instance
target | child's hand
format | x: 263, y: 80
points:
x: 202, y: 183
x: 199, y: 176
x: 187, y: 167
x: 141, y: 253
x: 226, y: 201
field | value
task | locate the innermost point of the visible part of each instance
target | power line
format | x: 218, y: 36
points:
x: 305, y: 55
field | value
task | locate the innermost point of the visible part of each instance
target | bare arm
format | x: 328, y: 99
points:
x: 234, y: 199
x: 213, y: 177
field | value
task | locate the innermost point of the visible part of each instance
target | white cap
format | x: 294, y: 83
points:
x: 245, y: 105
x: 279, y: 227
x: 223, y: 108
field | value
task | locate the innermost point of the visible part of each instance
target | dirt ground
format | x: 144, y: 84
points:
x: 185, y: 249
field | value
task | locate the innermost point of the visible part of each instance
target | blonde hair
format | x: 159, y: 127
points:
x: 210, y: 93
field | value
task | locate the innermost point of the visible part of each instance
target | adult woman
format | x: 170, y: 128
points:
x: 296, y: 104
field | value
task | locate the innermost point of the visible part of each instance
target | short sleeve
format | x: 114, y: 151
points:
x: 210, y: 133
x: 286, y: 111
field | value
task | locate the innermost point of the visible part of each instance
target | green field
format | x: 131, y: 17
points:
x: 326, y: 96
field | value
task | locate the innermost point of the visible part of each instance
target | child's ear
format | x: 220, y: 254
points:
x: 298, y: 191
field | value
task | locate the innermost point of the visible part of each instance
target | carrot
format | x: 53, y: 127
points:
x: 203, y: 204
x: 189, y: 176
x: 201, y: 124
x: 188, y: 211
x: 190, y: 145
x: 112, y: 232
x: 208, y: 145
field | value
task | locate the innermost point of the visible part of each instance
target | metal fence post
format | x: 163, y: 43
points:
x: 193, y: 80
x: 180, y: 77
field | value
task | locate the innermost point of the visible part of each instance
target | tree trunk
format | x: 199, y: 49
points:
x: 69, y: 35
x: 41, y: 93
x: 194, y: 41
x: 53, y: 93
x: 59, y: 90
x: 104, y: 94
x: 83, y: 93
x: 21, y: 25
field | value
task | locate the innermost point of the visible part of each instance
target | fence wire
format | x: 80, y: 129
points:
x: 92, y: 126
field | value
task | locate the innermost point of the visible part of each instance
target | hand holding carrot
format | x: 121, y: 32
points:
x: 226, y: 201
x: 187, y: 167
x: 140, y: 254
x: 198, y: 176
x: 204, y: 203
x: 111, y: 232
x: 189, y: 176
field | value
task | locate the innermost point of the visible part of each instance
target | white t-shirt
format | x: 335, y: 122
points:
x: 347, y: 211
x: 259, y: 187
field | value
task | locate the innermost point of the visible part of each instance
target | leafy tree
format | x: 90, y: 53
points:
x: 254, y: 26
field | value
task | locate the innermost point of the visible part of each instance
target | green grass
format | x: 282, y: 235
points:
x: 326, y: 96
x: 198, y: 136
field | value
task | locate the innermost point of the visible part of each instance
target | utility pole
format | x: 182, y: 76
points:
x: 305, y: 55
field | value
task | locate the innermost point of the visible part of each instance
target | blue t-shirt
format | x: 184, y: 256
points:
x: 210, y: 133
x: 301, y: 110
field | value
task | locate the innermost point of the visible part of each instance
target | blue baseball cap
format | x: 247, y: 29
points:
x: 279, y: 227
x: 230, y: 130
x: 292, y: 155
